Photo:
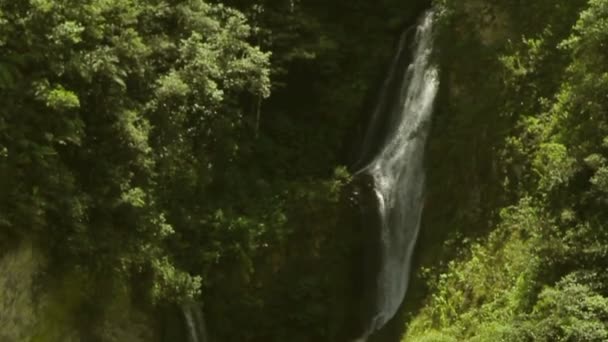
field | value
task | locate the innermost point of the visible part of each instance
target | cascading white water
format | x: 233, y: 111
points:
x: 195, y: 322
x: 397, y: 171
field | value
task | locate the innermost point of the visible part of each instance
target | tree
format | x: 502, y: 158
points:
x: 121, y: 107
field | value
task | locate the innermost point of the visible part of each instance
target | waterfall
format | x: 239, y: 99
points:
x: 406, y: 99
x: 195, y: 322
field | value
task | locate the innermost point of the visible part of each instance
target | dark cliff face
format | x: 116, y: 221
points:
x: 363, y: 216
x: 58, y: 310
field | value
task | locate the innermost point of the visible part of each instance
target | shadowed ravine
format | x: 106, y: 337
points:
x: 397, y: 167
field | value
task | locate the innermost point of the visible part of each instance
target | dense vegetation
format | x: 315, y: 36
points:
x: 539, y: 104
x: 171, y: 151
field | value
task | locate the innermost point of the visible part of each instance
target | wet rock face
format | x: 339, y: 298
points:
x: 31, y: 309
x: 17, y: 314
x: 363, y: 208
x: 363, y: 196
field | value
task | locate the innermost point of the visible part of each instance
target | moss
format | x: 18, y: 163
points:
x: 36, y: 308
x: 17, y: 270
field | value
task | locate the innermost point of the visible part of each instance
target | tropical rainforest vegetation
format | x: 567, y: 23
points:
x: 530, y: 264
x: 169, y: 151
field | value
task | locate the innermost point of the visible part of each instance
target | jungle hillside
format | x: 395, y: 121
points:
x: 191, y: 170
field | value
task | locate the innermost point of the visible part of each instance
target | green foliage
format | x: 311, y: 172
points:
x: 140, y: 146
x: 497, y: 293
x: 573, y: 310
x: 539, y: 275
x: 103, y: 100
x: 553, y: 165
x: 173, y: 285
x: 58, y: 98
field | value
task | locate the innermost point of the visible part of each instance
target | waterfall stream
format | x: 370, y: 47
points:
x: 195, y: 322
x: 406, y: 102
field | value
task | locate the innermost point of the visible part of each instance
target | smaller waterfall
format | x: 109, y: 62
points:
x: 195, y: 322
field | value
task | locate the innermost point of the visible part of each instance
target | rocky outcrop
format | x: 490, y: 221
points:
x: 35, y: 308
x: 18, y: 316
